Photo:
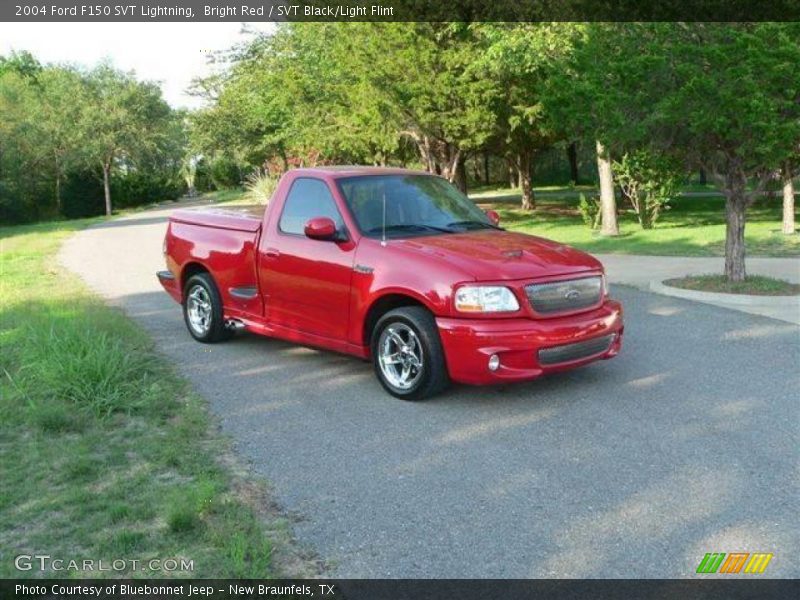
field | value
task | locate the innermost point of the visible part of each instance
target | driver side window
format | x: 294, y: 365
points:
x: 308, y: 198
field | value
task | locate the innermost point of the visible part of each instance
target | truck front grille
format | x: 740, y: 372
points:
x: 577, y: 351
x: 565, y: 296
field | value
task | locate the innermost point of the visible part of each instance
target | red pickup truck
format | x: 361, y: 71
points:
x: 397, y: 267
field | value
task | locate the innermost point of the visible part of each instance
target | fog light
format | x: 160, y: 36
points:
x: 494, y: 362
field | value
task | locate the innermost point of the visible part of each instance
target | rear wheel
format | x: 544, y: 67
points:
x: 202, y: 310
x: 407, y: 354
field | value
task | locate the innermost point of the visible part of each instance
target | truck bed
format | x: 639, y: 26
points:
x: 236, y: 218
x: 224, y: 242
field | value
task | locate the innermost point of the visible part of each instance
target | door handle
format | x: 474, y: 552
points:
x: 272, y: 252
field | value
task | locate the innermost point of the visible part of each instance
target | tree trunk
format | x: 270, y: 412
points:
x: 608, y: 203
x: 58, y: 193
x: 703, y: 178
x: 524, y: 170
x: 735, y: 205
x: 461, y: 176
x: 788, y: 200
x: 486, y: 168
x: 450, y: 158
x: 512, y: 179
x: 572, y: 155
x: 107, y: 187
x: 57, y: 165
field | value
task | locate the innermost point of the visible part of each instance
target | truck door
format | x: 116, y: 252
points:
x: 305, y: 283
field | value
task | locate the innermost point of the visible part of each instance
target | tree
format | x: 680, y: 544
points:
x: 520, y: 58
x: 52, y: 127
x: 733, y: 108
x: 425, y: 77
x: 56, y: 113
x: 579, y: 96
x: 608, y: 202
x: 717, y: 96
x: 788, y: 199
x: 21, y: 148
x: 122, y: 118
x: 23, y: 63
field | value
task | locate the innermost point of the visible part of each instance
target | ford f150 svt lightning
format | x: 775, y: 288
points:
x: 397, y: 267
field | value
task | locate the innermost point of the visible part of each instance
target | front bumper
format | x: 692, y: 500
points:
x: 468, y: 343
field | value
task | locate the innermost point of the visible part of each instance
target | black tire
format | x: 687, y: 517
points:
x: 433, y: 377
x: 215, y: 330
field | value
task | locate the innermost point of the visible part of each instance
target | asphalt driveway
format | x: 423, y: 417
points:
x: 686, y: 443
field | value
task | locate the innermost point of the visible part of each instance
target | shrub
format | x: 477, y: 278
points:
x: 83, y: 191
x: 589, y: 210
x: 649, y: 181
x: 224, y: 173
x: 260, y: 186
x: 139, y: 187
x: 202, y: 178
x: 82, y: 195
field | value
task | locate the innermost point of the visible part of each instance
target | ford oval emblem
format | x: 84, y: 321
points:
x: 572, y: 294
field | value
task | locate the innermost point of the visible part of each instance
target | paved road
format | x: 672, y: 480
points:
x: 686, y: 443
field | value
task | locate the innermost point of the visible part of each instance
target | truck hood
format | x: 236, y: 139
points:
x: 491, y: 255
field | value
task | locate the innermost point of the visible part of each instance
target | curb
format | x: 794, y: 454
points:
x: 726, y: 299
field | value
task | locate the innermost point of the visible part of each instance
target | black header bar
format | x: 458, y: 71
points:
x: 398, y: 10
x: 736, y: 587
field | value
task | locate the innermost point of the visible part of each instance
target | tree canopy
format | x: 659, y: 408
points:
x: 661, y: 99
x: 64, y: 130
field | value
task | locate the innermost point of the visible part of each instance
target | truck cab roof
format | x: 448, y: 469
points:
x: 353, y: 171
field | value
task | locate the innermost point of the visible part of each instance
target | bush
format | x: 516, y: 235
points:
x: 589, y: 210
x: 224, y: 173
x: 13, y: 209
x: 649, y: 181
x: 202, y: 178
x: 82, y: 195
x: 136, y: 188
x: 260, y: 187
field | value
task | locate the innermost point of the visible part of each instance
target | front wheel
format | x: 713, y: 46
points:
x: 407, y: 354
x: 202, y: 310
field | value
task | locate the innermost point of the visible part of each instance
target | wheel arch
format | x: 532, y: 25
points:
x: 189, y: 270
x: 383, y: 304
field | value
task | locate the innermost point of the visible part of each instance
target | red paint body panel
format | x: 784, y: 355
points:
x: 320, y: 293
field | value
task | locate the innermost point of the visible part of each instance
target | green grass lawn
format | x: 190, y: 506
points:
x: 694, y: 226
x: 106, y: 454
x: 754, y: 284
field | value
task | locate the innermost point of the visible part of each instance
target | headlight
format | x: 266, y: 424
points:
x: 485, y: 298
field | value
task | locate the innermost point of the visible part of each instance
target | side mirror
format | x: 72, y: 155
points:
x: 493, y: 217
x: 320, y: 228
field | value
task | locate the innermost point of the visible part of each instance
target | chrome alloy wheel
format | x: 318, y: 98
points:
x: 198, y: 308
x: 400, y: 356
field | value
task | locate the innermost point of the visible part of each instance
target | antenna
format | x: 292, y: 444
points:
x: 383, y: 221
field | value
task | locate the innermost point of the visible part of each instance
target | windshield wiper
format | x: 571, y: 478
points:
x: 411, y: 227
x: 469, y: 223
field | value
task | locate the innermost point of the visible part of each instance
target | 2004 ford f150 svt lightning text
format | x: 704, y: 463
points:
x: 395, y: 266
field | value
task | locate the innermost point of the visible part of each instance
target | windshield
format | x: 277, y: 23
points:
x: 415, y: 205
